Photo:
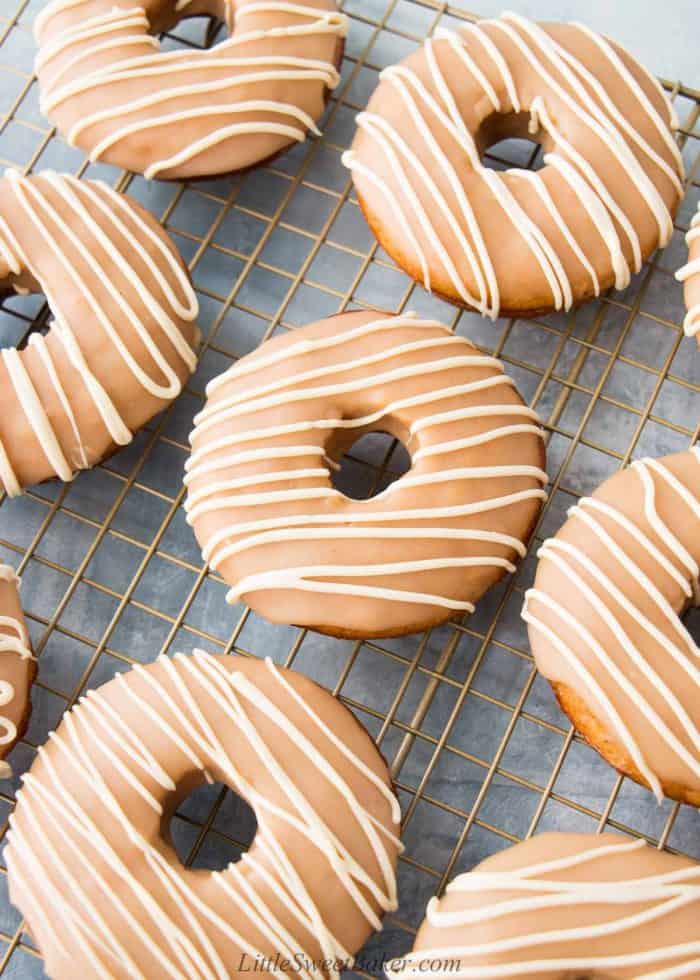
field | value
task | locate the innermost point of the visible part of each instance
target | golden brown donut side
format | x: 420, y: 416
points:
x: 604, y: 621
x: 315, y: 881
x: 598, y: 736
x: 17, y: 668
x: 187, y: 113
x: 560, y: 905
x: 689, y: 275
x: 516, y: 242
x: 262, y: 503
x: 122, y: 332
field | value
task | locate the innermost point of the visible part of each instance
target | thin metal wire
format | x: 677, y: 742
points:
x: 604, y: 394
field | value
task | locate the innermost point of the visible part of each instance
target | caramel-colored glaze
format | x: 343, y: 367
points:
x: 190, y: 113
x: 17, y: 667
x: 514, y: 242
x: 562, y: 906
x: 90, y: 863
x: 112, y: 278
x: 689, y: 275
x: 604, y: 624
x: 262, y: 503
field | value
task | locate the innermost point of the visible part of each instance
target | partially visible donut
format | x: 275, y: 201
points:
x: 605, y: 628
x: 17, y: 668
x: 564, y: 907
x: 689, y: 274
x: 264, y: 509
x: 517, y: 242
x: 122, y: 338
x: 90, y: 861
x: 110, y: 89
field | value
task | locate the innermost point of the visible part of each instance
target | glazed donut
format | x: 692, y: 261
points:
x: 99, y: 884
x: 17, y: 668
x: 605, y: 628
x: 109, y: 88
x: 120, y: 344
x: 263, y: 507
x: 518, y: 242
x: 690, y: 276
x: 564, y: 906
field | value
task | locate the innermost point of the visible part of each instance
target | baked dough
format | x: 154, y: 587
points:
x: 605, y: 628
x: 564, y: 907
x: 690, y: 276
x: 518, y: 242
x: 122, y: 338
x: 263, y: 507
x: 17, y: 668
x: 100, y: 886
x: 110, y: 89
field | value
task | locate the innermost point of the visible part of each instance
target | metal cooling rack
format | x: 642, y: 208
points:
x: 112, y: 575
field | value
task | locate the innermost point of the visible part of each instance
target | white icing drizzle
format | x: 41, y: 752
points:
x: 587, y: 115
x: 541, y: 189
x: 498, y: 60
x: 215, y: 554
x: 661, y: 125
x: 609, y: 129
x: 437, y: 109
x: 663, y: 895
x: 9, y: 248
x: 14, y: 639
x: 267, y: 71
x: 91, y: 27
x: 85, y: 200
x: 294, y: 389
x: 8, y: 476
x: 52, y: 10
x: 188, y: 949
x: 35, y: 413
x: 632, y: 681
x: 691, y: 271
x: 252, y: 365
x: 38, y: 342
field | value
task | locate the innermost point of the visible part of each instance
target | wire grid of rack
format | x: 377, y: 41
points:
x: 480, y: 753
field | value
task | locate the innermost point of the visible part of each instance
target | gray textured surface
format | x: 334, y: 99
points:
x: 112, y: 574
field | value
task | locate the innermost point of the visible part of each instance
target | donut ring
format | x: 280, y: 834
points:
x: 560, y: 906
x: 518, y: 242
x: 314, y: 882
x: 18, y: 668
x: 263, y: 507
x: 120, y: 344
x: 689, y: 275
x: 605, y: 628
x: 111, y: 91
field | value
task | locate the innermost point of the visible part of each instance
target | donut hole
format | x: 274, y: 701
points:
x: 513, y: 152
x: 198, y: 24
x: 20, y: 316
x: 370, y: 464
x: 505, y: 142
x: 211, y: 826
x: 200, y: 32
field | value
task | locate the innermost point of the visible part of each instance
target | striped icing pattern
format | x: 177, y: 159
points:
x: 107, y: 782
x: 260, y: 495
x: 417, y: 163
x: 122, y: 324
x: 630, y: 652
x: 14, y: 640
x: 689, y: 275
x: 114, y: 93
x: 564, y: 905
